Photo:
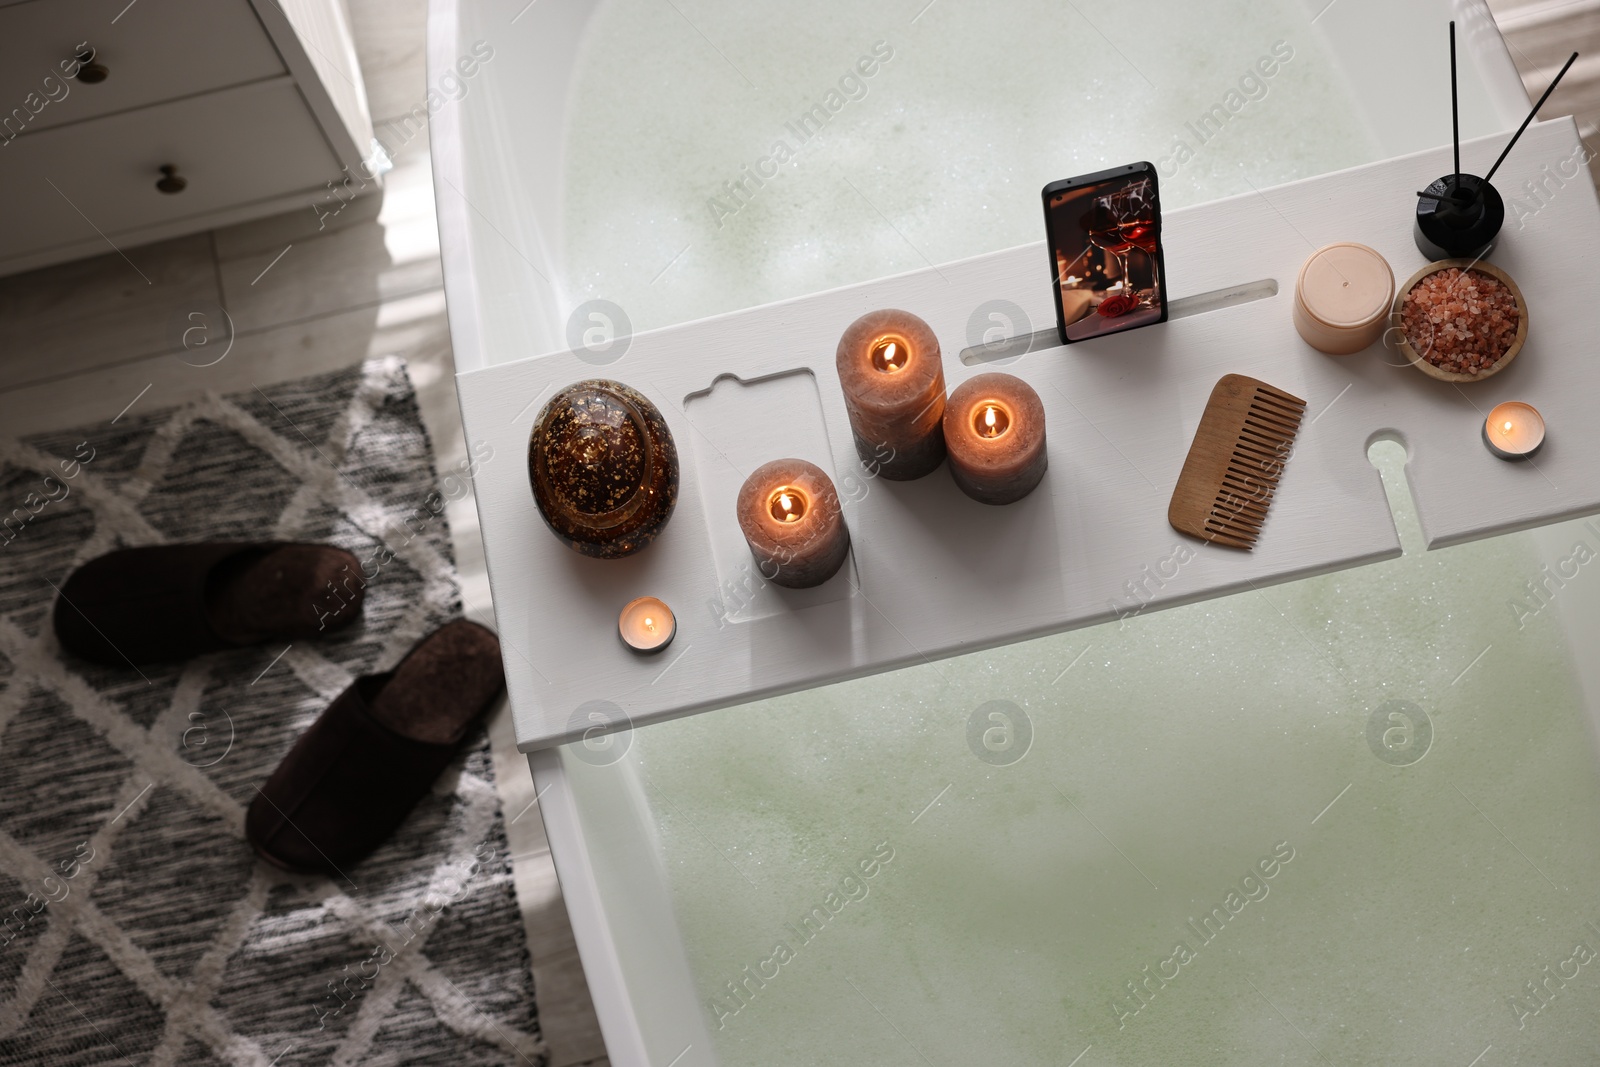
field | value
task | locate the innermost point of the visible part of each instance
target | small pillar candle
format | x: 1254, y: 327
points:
x: 647, y: 624
x: 994, y: 430
x: 893, y: 382
x: 790, y: 515
x: 1514, y: 430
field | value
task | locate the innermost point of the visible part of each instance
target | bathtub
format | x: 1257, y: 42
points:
x: 655, y: 836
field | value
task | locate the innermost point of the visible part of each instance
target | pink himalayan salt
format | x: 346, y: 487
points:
x: 1461, y: 321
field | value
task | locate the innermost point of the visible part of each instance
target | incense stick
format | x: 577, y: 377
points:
x: 1531, y: 114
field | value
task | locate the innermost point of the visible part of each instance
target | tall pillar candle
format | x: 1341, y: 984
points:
x: 888, y: 363
x: 994, y: 429
x: 790, y: 515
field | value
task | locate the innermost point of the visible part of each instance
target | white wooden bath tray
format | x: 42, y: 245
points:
x: 935, y: 574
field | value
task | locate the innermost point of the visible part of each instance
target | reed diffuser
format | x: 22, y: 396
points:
x: 1460, y: 215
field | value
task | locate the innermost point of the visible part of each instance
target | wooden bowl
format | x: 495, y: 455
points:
x: 1397, y: 321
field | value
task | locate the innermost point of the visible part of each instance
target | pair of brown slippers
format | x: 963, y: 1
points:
x: 352, y: 778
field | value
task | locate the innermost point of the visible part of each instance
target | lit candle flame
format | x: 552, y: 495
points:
x: 786, y: 505
x: 1506, y: 428
x: 890, y: 355
x: 991, y: 420
x: 650, y: 624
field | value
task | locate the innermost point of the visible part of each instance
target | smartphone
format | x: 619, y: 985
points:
x: 1104, y: 234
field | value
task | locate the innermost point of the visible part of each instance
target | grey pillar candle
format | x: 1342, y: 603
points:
x: 889, y: 368
x: 790, y: 515
x: 994, y: 430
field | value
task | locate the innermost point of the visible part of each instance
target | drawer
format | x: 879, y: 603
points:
x: 233, y: 147
x: 156, y: 50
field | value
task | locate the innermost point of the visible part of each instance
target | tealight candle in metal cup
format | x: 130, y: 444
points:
x: 646, y: 624
x: 1514, y: 430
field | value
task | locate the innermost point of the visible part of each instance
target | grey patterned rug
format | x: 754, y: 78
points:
x: 138, y: 927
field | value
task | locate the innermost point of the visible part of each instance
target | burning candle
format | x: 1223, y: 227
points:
x: 893, y: 384
x: 994, y: 429
x: 647, y: 624
x: 790, y: 515
x: 1514, y: 430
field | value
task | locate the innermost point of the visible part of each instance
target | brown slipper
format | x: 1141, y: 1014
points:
x: 358, y: 771
x: 174, y: 602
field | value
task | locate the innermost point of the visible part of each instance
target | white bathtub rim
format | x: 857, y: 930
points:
x: 580, y: 891
x: 592, y: 932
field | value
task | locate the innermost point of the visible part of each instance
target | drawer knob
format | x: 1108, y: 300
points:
x: 171, y: 182
x: 90, y: 72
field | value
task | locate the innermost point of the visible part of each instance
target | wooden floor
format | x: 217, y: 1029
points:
x: 83, y: 340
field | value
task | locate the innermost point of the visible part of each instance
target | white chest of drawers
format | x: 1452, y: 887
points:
x: 255, y: 106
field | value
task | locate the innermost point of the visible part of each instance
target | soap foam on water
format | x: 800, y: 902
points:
x: 1193, y: 739
x: 980, y: 106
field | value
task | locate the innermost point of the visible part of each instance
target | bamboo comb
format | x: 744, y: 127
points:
x: 1232, y: 470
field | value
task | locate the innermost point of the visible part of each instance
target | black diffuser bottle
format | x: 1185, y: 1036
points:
x: 1460, y: 215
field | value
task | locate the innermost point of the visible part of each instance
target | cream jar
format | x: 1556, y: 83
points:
x: 1342, y: 298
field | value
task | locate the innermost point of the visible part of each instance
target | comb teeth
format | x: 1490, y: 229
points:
x: 1234, y: 465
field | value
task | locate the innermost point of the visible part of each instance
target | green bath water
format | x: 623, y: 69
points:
x: 939, y: 154
x: 1436, y: 870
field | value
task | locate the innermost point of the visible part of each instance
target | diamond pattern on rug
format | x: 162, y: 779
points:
x: 57, y: 777
x: 205, y: 465
x: 147, y: 886
x: 135, y: 924
x: 85, y: 978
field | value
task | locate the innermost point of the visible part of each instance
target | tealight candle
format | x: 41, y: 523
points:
x: 790, y: 515
x: 1514, y: 430
x: 893, y: 381
x: 647, y: 624
x: 994, y: 429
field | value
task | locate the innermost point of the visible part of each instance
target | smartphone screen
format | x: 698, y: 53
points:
x: 1104, y: 233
